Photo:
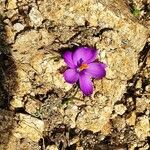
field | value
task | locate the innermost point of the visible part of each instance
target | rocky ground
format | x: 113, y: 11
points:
x: 39, y: 110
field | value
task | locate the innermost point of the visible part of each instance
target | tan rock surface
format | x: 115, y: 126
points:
x: 52, y: 147
x: 120, y: 109
x: 142, y: 128
x: 37, y: 34
x: 132, y: 119
x: 142, y: 104
x: 29, y: 127
x: 35, y: 17
x: 22, y: 144
x: 118, y: 46
x: 12, y: 4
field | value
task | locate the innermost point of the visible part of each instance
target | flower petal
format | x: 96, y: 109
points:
x: 84, y: 54
x: 71, y: 76
x: 68, y: 59
x: 86, y: 84
x: 96, y: 70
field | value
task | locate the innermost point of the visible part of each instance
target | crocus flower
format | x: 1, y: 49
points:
x: 82, y: 67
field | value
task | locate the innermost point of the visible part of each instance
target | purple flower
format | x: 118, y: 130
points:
x: 82, y: 67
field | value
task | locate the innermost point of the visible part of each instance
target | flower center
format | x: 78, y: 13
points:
x: 83, y: 66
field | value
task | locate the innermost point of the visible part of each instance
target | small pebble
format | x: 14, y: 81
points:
x: 18, y: 27
x: 120, y: 109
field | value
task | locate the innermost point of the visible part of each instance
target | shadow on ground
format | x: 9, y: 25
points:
x: 8, y: 84
x: 8, y: 73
